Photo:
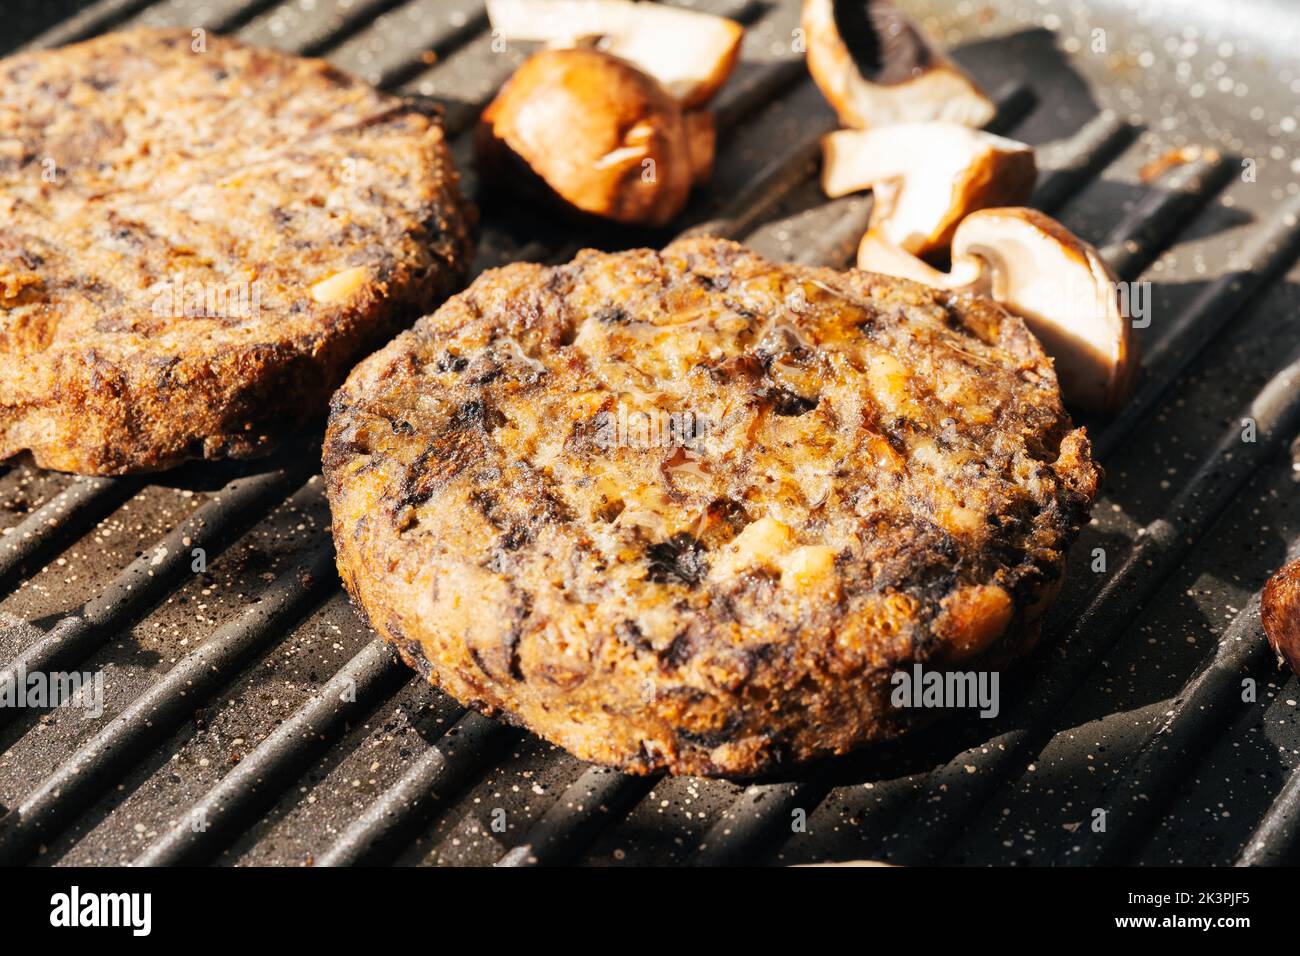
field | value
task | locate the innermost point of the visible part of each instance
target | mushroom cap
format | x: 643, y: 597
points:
x: 594, y: 131
x: 877, y: 69
x: 1065, y: 292
x: 927, y: 177
x: 689, y: 52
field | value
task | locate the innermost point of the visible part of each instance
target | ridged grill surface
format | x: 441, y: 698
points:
x: 251, y: 718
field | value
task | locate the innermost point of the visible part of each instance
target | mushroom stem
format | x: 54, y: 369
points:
x: 876, y: 253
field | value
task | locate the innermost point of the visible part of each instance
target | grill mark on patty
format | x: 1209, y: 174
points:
x: 438, y: 464
x: 786, y: 403
x: 678, y: 652
x: 612, y: 315
x: 680, y: 558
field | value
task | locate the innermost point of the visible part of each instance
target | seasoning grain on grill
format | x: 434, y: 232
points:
x: 199, y: 241
x: 887, y: 477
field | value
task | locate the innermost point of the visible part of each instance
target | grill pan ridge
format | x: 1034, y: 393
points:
x: 252, y: 718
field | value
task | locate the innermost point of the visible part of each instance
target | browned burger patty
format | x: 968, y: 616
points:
x: 197, y: 244
x: 886, y: 477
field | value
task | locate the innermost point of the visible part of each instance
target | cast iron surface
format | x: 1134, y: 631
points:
x: 250, y: 717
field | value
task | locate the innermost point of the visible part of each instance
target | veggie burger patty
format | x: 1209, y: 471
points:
x: 200, y: 239
x: 690, y: 510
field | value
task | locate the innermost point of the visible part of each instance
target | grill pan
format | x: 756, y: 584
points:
x: 250, y: 718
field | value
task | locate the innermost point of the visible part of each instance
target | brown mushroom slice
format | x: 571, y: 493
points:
x: 1067, y: 294
x: 597, y: 134
x: 926, y: 177
x: 689, y: 52
x: 877, y: 69
x: 1060, y: 286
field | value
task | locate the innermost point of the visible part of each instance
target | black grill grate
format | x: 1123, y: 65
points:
x: 286, y: 734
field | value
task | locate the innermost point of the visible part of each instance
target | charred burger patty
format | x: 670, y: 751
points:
x: 200, y: 239
x: 691, y: 510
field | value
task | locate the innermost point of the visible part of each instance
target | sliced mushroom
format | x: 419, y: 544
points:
x: 1057, y: 283
x: 690, y: 53
x: 877, y: 69
x: 926, y: 177
x: 593, y: 131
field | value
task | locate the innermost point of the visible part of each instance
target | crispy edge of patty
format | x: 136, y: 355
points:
x: 843, y: 700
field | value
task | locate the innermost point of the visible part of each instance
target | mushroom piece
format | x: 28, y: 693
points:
x: 690, y: 53
x: 1279, y: 612
x: 596, y: 133
x: 877, y: 69
x: 1060, y: 286
x: 926, y: 177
